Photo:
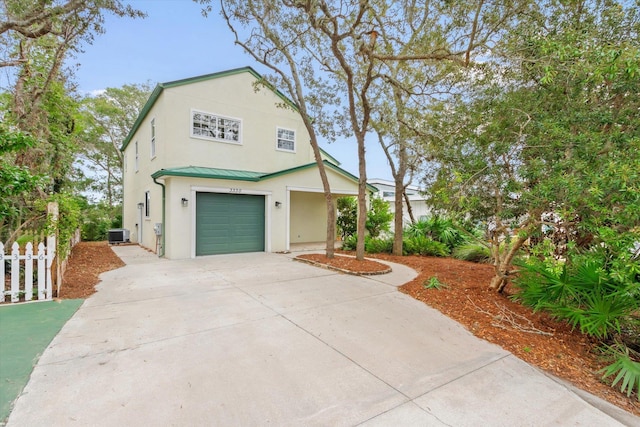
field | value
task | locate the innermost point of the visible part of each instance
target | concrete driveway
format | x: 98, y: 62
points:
x: 259, y: 339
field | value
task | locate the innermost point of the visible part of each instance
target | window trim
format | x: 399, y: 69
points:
x: 147, y: 204
x: 153, y: 138
x: 286, y: 150
x: 217, y: 116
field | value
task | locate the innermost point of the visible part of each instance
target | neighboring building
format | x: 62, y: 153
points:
x: 213, y: 166
x: 387, y: 191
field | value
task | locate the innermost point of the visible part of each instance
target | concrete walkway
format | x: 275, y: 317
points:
x: 259, y: 339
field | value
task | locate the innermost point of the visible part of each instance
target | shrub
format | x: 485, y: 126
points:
x: 346, y: 221
x: 475, y: 252
x: 378, y: 245
x: 441, y: 229
x: 421, y: 245
x: 627, y: 369
x: 98, y: 219
x: 581, y: 290
x: 349, y: 243
x: 379, y: 217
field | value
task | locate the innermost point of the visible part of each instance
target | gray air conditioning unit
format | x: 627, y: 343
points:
x: 118, y: 235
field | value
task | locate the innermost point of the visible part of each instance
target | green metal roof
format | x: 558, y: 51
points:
x: 212, y: 173
x: 238, y: 175
x: 161, y: 86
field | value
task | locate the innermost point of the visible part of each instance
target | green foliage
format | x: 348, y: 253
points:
x: 422, y: 245
x: 69, y: 216
x: 419, y: 245
x: 379, y: 217
x: 98, y: 219
x: 14, y: 180
x: 592, y: 290
x: 350, y: 242
x: 439, y: 228
x: 371, y: 245
x: 105, y: 121
x: 347, y: 220
x: 626, y: 368
x: 378, y: 245
x: 434, y: 283
x: 472, y: 251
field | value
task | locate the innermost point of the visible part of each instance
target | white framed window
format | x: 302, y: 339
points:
x: 137, y: 159
x: 153, y: 138
x: 286, y: 139
x: 215, y: 127
x: 147, y: 203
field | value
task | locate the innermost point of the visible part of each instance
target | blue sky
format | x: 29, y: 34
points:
x: 175, y: 42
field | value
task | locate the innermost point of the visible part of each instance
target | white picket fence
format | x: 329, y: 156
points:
x: 43, y: 261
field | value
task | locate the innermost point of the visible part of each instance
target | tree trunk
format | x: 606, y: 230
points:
x: 503, y: 265
x: 398, y: 222
x: 362, y: 199
x: 328, y: 197
x: 409, y: 208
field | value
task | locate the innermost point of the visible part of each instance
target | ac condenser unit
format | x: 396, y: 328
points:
x: 118, y: 235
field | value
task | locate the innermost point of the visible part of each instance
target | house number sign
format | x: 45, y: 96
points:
x: 235, y: 190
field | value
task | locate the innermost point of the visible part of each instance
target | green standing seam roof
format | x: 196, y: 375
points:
x: 238, y: 175
x: 211, y: 173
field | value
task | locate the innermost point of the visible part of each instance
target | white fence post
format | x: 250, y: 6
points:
x: 15, y: 272
x: 28, y: 272
x: 42, y: 275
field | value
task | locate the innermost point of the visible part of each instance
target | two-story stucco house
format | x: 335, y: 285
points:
x: 213, y: 166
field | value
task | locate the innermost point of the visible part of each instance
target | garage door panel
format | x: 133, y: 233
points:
x: 229, y: 223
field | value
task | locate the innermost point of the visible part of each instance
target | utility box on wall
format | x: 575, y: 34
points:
x: 157, y: 228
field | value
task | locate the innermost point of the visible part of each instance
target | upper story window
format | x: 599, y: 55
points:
x: 137, y: 159
x: 153, y: 138
x: 286, y: 139
x: 210, y: 126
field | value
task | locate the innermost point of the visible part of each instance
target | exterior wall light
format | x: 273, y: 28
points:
x: 140, y: 205
x: 184, y: 202
x: 278, y: 204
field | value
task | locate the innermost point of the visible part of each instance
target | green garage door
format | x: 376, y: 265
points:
x: 229, y: 223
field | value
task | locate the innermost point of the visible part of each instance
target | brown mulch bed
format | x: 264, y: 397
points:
x: 534, y: 337
x: 347, y: 264
x: 87, y: 261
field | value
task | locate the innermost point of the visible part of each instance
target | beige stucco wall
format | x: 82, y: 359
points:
x: 232, y: 96
x: 229, y: 96
x: 302, y: 211
x: 308, y: 213
x: 136, y: 183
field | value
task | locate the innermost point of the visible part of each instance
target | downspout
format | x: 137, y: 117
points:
x: 161, y: 252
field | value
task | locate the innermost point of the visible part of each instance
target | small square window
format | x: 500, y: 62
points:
x: 286, y: 139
